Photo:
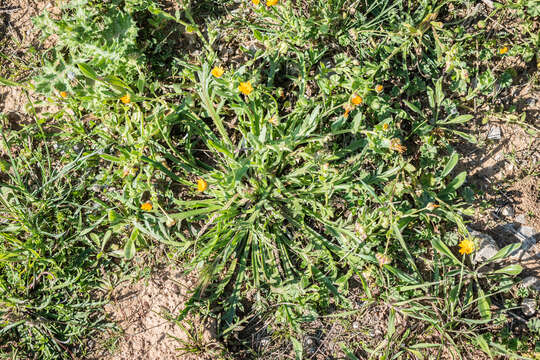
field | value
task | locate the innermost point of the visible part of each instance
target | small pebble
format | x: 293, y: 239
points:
x: 528, y: 306
x: 530, y: 101
x: 521, y: 218
x: 532, y: 282
x: 265, y: 342
x: 487, y: 247
x: 494, y: 133
x: 527, y: 231
x: 508, y: 211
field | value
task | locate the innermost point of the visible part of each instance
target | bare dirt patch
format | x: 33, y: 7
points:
x: 504, y: 171
x: 17, y: 39
x: 143, y: 310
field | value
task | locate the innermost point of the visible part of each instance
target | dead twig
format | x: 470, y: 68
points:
x: 9, y: 9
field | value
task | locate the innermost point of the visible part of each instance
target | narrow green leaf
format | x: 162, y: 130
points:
x: 443, y: 249
x: 470, y: 138
x: 504, y: 252
x: 450, y: 165
x: 220, y: 148
x: 129, y: 247
x: 439, y: 95
x: 111, y: 158
x: 401, y: 275
x: 459, y: 119
x: 88, y: 71
x: 413, y: 107
x: 397, y: 232
x: 298, y: 349
x: 513, y: 269
x: 457, y: 182
x: 483, y: 305
x: 7, y: 82
x: 166, y: 171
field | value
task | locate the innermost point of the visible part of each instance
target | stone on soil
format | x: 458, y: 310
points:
x: 532, y: 282
x: 486, y: 246
x: 521, y: 218
x: 507, y: 211
x: 528, y: 306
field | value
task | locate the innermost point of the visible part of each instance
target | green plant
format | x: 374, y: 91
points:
x: 49, y: 275
x: 337, y: 160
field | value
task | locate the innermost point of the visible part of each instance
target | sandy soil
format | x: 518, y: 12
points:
x: 141, y: 310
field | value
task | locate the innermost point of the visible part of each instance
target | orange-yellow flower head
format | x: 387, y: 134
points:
x: 218, y: 71
x: 271, y: 2
x: 503, y: 50
x: 356, y: 99
x: 201, y: 185
x: 379, y: 88
x: 395, y: 145
x: 147, y: 206
x: 256, y: 2
x: 245, y: 88
x: 63, y: 94
x: 385, y: 126
x: 466, y: 246
x: 126, y: 99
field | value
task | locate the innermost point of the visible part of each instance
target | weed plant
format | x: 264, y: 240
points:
x: 281, y: 148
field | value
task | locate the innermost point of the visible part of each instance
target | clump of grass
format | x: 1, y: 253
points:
x: 277, y: 178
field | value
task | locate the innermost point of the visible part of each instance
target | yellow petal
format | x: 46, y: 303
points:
x: 126, y: 99
x: 201, y: 185
x: 218, y: 71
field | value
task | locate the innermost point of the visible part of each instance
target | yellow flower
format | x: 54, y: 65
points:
x: 503, y: 50
x: 379, y: 88
x: 147, y: 206
x: 245, y: 88
x: 201, y: 185
x: 383, y: 259
x: 466, y: 246
x: 63, y: 94
x: 255, y: 2
x: 218, y: 71
x: 126, y: 99
x: 356, y: 99
x: 271, y: 2
x: 385, y: 126
x: 395, y: 145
